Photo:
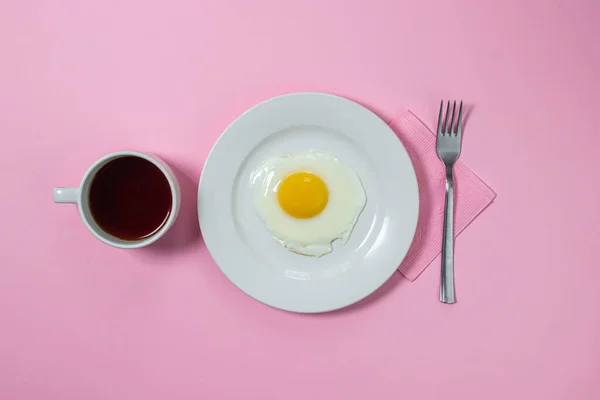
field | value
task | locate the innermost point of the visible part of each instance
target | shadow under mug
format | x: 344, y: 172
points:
x: 80, y: 196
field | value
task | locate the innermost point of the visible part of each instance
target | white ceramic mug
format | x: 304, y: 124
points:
x: 80, y: 196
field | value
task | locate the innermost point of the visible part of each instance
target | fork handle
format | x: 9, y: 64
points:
x: 447, y: 279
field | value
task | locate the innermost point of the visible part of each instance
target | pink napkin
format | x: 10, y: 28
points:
x: 472, y: 194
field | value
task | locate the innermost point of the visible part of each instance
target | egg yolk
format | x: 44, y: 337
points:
x: 302, y: 195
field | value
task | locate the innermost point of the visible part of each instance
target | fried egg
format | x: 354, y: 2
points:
x: 307, y: 200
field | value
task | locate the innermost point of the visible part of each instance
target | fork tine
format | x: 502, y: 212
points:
x: 459, y: 126
x: 439, y: 128
x: 451, y: 129
x: 446, y: 120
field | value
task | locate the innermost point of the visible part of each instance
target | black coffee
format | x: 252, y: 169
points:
x: 130, y: 198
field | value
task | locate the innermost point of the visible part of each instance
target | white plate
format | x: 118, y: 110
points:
x: 246, y: 252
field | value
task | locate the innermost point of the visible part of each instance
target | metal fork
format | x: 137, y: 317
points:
x: 447, y: 145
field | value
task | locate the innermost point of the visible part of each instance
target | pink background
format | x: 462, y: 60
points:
x: 80, y: 320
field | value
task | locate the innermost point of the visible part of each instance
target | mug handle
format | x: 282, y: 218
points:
x: 65, y: 195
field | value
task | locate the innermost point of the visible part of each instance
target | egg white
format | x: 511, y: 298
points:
x: 311, y: 236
